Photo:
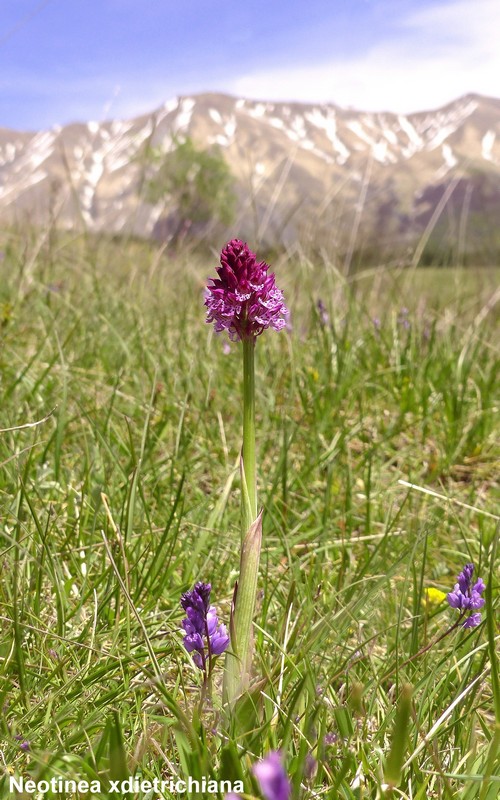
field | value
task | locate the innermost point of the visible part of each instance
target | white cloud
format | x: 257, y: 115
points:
x: 440, y: 53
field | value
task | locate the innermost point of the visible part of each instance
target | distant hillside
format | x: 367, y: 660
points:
x: 336, y: 177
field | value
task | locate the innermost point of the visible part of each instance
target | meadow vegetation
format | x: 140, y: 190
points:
x: 126, y: 492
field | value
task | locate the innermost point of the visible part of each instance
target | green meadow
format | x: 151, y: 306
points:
x: 119, y: 489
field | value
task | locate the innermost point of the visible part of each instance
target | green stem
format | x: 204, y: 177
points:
x: 249, y: 507
x: 239, y: 658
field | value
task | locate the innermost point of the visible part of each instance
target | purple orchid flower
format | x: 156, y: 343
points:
x: 204, y: 636
x: 244, y: 299
x: 467, y: 597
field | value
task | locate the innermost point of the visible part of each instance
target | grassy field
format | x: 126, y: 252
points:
x: 126, y: 492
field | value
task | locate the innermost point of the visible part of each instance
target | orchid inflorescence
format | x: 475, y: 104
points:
x: 204, y: 636
x: 244, y: 299
x: 466, y: 597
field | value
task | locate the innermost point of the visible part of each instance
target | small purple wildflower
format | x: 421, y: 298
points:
x: 466, y: 597
x: 23, y: 743
x: 244, y: 299
x: 204, y: 636
x: 310, y: 767
x: 403, y: 318
x: 324, y: 317
x: 272, y: 778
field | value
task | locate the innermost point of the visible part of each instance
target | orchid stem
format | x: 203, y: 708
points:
x: 248, y: 452
x: 239, y: 660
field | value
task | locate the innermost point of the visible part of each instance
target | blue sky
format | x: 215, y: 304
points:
x: 69, y: 60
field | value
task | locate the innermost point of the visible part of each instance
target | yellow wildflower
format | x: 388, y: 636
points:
x: 433, y: 597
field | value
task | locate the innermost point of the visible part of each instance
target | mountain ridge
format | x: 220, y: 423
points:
x: 301, y: 169
x: 348, y: 109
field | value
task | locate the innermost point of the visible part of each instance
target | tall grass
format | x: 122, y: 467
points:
x: 126, y: 492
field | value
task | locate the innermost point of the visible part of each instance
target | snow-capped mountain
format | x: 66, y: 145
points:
x: 300, y: 169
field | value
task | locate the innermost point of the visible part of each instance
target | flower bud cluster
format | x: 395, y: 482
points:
x: 204, y: 636
x: 466, y: 597
x: 244, y: 299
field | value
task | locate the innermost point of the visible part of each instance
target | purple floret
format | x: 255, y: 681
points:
x: 467, y: 598
x: 273, y: 780
x: 324, y: 317
x: 472, y: 621
x: 455, y: 598
x: 219, y: 640
x: 24, y: 744
x: 244, y: 299
x: 465, y: 578
x: 198, y: 598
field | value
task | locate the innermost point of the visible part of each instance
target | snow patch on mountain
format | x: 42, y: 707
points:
x: 449, y: 158
x: 415, y: 140
x: 183, y: 118
x: 226, y: 138
x: 378, y: 147
x: 327, y: 122
x: 257, y: 111
x: 214, y: 114
x: 103, y: 158
x: 450, y: 161
x: 487, y: 143
x: 276, y: 122
x: 438, y: 126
